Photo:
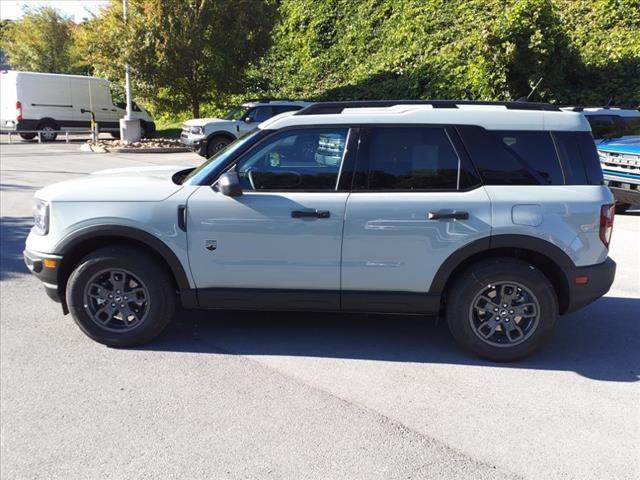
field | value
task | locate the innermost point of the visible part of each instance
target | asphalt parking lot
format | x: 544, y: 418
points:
x: 298, y: 395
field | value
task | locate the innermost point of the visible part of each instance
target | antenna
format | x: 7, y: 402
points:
x: 533, y: 89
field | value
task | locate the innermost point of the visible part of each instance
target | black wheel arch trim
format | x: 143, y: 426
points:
x: 526, y: 242
x: 69, y: 243
x: 222, y: 133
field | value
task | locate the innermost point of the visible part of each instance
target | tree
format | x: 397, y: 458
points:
x: 181, y: 52
x: 40, y: 41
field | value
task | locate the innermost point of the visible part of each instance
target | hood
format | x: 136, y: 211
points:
x: 201, y: 122
x: 135, y: 184
x: 629, y: 145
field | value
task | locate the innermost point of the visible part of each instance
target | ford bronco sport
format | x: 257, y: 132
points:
x: 492, y: 214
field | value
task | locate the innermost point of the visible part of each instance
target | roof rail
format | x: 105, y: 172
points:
x: 326, y: 108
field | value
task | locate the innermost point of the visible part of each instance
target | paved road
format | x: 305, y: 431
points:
x: 298, y: 395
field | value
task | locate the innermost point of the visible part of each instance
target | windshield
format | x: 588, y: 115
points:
x: 236, y: 113
x: 219, y: 157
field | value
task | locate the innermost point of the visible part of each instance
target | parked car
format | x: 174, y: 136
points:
x: 620, y: 160
x: 494, y: 215
x: 616, y: 132
x: 207, y: 136
x: 52, y: 102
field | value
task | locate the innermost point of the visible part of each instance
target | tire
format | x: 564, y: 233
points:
x: 99, y: 275
x: 148, y: 129
x: 622, y: 207
x: 115, y: 135
x: 469, y: 316
x: 28, y: 136
x: 50, y: 130
x: 217, y: 143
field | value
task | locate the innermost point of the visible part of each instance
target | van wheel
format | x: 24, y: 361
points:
x: 502, y: 309
x: 622, y: 207
x: 215, y: 144
x: 49, y: 131
x: 120, y: 297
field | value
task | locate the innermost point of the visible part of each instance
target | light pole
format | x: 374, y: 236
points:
x: 129, y: 128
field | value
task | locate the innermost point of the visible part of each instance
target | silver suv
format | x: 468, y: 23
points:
x: 493, y: 215
x: 206, y: 136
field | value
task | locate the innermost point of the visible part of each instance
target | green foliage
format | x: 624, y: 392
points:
x: 585, y: 51
x: 41, y: 41
x: 182, y: 52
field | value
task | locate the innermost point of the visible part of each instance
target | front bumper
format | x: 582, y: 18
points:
x: 45, y: 268
x: 197, y: 144
x: 600, y: 278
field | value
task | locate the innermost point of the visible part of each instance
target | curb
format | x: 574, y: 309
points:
x: 87, y: 147
x: 150, y: 150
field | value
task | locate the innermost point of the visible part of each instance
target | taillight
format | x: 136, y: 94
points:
x: 607, y: 214
x: 18, y: 111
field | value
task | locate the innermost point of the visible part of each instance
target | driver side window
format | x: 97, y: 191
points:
x: 258, y: 114
x: 306, y: 159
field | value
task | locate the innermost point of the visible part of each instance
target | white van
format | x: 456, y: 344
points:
x: 51, y: 102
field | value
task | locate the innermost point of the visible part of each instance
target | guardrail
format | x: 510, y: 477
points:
x: 40, y: 132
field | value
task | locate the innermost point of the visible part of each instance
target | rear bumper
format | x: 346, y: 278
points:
x: 600, y: 279
x: 625, y: 193
x: 35, y: 262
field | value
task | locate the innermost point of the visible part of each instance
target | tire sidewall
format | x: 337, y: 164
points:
x: 161, y: 294
x: 476, y: 279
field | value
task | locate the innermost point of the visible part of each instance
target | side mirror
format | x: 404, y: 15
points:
x: 229, y: 184
x: 248, y: 119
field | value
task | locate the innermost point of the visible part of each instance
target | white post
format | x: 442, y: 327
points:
x: 130, y: 130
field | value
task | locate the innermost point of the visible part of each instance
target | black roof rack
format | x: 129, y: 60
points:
x: 326, y: 108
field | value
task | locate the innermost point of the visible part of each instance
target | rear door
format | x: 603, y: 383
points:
x: 415, y: 202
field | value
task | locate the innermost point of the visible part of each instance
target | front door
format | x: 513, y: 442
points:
x: 414, y: 203
x: 279, y: 244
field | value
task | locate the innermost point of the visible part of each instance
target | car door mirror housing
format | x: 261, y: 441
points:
x: 229, y: 184
x: 247, y: 119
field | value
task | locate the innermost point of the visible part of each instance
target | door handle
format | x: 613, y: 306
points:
x: 310, y: 214
x: 105, y: 109
x: 448, y: 215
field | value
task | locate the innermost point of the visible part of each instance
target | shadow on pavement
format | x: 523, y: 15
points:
x: 13, y: 232
x: 601, y: 342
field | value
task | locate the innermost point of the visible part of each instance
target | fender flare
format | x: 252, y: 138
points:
x: 527, y: 242
x: 69, y: 243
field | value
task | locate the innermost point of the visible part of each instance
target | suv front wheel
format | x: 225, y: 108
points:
x: 502, y: 309
x: 120, y: 297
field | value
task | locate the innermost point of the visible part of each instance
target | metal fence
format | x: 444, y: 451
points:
x: 39, y: 133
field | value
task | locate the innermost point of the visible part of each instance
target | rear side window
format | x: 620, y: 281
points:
x: 569, y: 153
x: 285, y: 108
x: 604, y: 126
x: 590, y: 158
x: 537, y: 150
x: 495, y: 161
x: 407, y: 158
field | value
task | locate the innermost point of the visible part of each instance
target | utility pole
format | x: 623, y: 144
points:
x: 127, y: 82
x: 130, y: 130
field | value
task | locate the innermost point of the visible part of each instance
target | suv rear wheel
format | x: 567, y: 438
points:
x: 502, y: 309
x: 120, y: 297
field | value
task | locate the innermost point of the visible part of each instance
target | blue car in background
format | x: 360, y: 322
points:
x: 620, y: 160
x: 616, y: 132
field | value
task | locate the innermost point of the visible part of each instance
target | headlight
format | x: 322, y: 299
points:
x: 197, y: 130
x: 40, y: 217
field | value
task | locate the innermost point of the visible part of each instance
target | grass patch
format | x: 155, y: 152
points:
x: 168, y: 129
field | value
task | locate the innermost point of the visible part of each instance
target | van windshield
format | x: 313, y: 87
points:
x: 219, y: 158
